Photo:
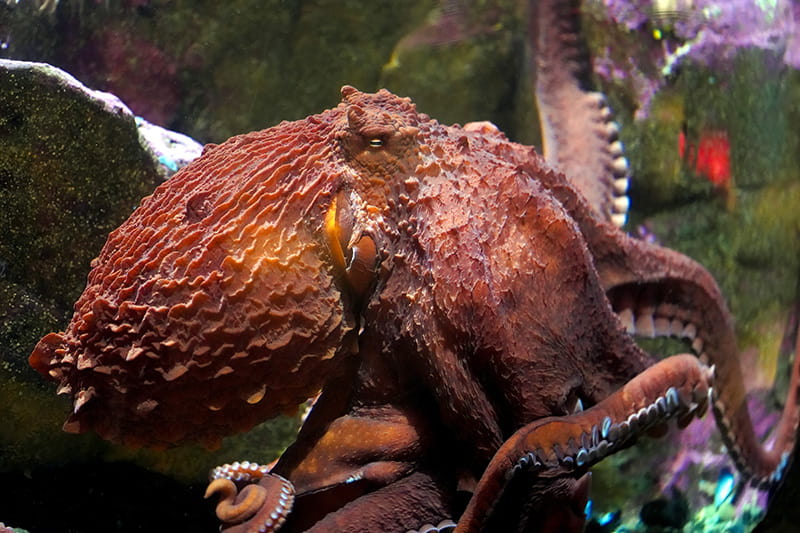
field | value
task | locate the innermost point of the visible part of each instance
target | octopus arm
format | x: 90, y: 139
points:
x: 358, y: 472
x: 378, y: 449
x: 660, y: 292
x: 412, y: 504
x: 665, y: 293
x: 579, y: 135
x: 259, y: 507
x: 674, y: 388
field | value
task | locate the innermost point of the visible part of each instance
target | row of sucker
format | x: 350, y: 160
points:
x: 677, y: 388
x: 644, y: 313
x: 652, y: 322
x: 445, y: 526
x: 787, y: 425
x: 610, y: 436
x: 617, y: 163
x: 244, y: 471
x: 256, y: 508
x: 580, y: 136
x: 662, y: 320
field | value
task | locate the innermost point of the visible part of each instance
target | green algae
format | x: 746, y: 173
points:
x: 62, y: 190
x: 229, y: 67
x: 291, y: 58
x: 467, y: 67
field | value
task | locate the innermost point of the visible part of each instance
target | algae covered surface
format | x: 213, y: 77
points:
x: 68, y: 175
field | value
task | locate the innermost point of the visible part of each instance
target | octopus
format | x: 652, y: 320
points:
x: 463, y: 309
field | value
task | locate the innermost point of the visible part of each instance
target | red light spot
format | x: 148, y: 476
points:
x: 711, y: 158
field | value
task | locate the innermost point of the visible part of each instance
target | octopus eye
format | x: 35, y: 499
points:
x: 375, y: 143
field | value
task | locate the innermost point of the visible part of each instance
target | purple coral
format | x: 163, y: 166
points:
x: 631, y: 14
x: 717, y: 30
x: 708, y: 32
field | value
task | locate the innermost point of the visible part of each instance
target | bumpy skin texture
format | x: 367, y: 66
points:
x: 213, y: 307
x: 454, y: 297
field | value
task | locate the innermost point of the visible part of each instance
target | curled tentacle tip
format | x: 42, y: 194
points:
x: 235, y: 507
x: 261, y: 507
x: 222, y: 487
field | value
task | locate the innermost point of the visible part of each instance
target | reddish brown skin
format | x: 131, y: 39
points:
x: 491, y: 306
x: 451, y: 295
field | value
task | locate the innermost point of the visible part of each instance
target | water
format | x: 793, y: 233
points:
x: 705, y: 94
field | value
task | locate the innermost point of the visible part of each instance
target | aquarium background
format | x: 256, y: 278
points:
x: 707, y: 95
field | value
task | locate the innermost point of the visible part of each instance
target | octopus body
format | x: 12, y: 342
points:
x: 464, y: 306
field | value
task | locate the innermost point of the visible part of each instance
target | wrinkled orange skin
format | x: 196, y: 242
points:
x: 213, y: 307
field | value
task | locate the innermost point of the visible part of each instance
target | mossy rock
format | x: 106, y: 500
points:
x: 71, y: 169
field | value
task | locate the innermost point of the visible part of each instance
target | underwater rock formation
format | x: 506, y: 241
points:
x: 74, y: 162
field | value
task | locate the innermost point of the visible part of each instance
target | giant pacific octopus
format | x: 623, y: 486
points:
x: 464, y: 306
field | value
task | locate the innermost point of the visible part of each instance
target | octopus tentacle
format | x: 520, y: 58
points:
x: 579, y: 135
x: 257, y: 508
x: 234, y: 506
x: 375, y: 450
x: 419, y: 498
x: 674, y: 388
x: 657, y: 291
